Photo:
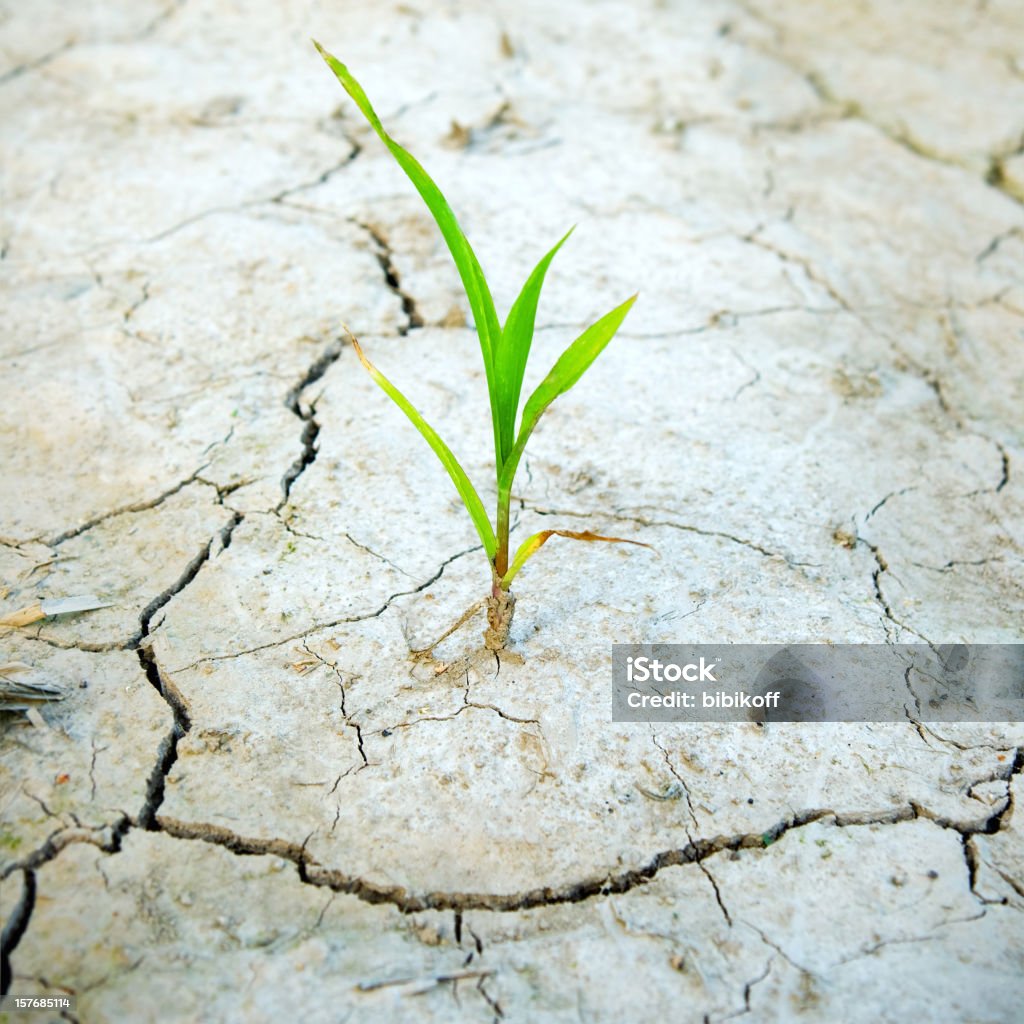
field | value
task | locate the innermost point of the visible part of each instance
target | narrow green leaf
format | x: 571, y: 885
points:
x: 534, y: 542
x: 466, y: 490
x: 571, y: 365
x: 514, y: 349
x: 473, y: 280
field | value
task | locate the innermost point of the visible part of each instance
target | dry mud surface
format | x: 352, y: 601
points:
x: 256, y: 796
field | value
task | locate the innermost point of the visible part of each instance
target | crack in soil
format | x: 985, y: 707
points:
x: 997, y: 241
x: 748, y: 988
x: 39, y: 62
x: 809, y: 271
x: 167, y: 753
x: 331, y: 623
x: 385, y: 258
x: 696, y: 851
x: 162, y: 18
x: 349, y: 723
x: 16, y: 926
x: 139, y: 506
x: 933, y: 381
x: 681, y: 783
x: 187, y: 576
x: 624, y: 516
x: 144, y: 505
x: 881, y: 567
x: 105, y: 837
x: 278, y: 198
x: 311, y: 426
x: 851, y: 109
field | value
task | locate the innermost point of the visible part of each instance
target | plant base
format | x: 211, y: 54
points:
x: 501, y: 606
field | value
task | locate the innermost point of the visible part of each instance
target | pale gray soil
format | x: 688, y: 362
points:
x: 257, y: 802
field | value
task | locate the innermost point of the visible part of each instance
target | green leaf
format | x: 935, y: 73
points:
x: 473, y: 280
x: 537, y: 540
x: 514, y: 349
x: 466, y: 490
x: 571, y: 365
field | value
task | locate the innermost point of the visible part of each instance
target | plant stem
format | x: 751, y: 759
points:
x: 501, y: 555
x: 501, y: 606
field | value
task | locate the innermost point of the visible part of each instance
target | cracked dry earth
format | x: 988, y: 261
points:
x: 266, y: 790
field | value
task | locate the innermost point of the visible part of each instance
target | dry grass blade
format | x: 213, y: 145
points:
x: 533, y: 543
x: 19, y: 694
x: 53, y: 606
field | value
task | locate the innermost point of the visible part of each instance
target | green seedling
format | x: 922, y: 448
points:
x: 505, y: 351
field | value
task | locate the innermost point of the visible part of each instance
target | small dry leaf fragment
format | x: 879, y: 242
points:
x: 22, y: 694
x: 458, y: 137
x: 24, y: 616
x: 37, y: 719
x: 13, y: 668
x: 428, y: 935
x: 70, y: 605
x: 18, y: 693
x: 53, y: 606
x: 455, y: 317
